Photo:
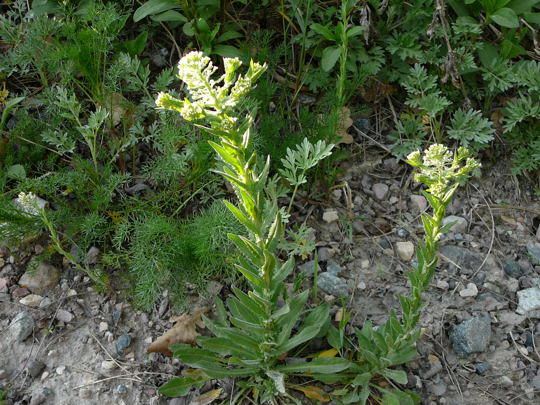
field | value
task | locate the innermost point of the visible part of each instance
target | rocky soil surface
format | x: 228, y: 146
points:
x: 61, y: 342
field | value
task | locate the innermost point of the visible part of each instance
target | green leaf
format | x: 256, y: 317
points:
x: 7, y: 109
x: 522, y: 6
x: 506, y: 17
x: 532, y: 18
x: 136, y: 46
x: 170, y: 16
x: 354, y: 31
x: 329, y: 57
x: 43, y: 7
x: 324, y: 31
x: 322, y: 365
x: 16, y: 172
x: 153, y: 7
x: 177, y: 387
x: 228, y: 35
x: 227, y: 51
x: 398, y: 376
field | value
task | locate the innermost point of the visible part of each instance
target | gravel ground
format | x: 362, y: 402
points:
x: 63, y: 343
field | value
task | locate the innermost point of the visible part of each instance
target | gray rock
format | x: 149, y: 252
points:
x: 42, y: 279
x: 92, y: 256
x: 120, y: 389
x: 333, y: 268
x: 460, y: 223
x: 122, y: 343
x: 528, y: 300
x: 533, y: 248
x: 418, y: 203
x: 64, y: 316
x: 471, y: 336
x: 333, y: 285
x: 32, y: 300
x: 513, y: 269
x: 468, y: 261
x: 402, y: 233
x: 35, y: 368
x: 536, y: 382
x: 308, y: 267
x: 405, y: 250
x: 482, y: 368
x: 21, y: 327
x: 380, y: 190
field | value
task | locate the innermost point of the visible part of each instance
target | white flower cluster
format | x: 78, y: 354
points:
x: 29, y: 203
x: 440, y: 169
x: 209, y: 97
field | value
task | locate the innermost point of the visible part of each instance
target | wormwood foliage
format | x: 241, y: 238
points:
x: 256, y: 329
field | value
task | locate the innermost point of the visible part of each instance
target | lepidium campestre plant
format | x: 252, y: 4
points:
x: 377, y: 349
x: 33, y: 206
x: 254, y: 333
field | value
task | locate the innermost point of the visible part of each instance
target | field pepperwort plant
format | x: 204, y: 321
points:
x: 256, y: 330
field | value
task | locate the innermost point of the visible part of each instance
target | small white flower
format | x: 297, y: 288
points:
x: 30, y: 203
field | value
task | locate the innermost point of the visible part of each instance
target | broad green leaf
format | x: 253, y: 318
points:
x: 398, y: 376
x: 43, y: 7
x: 330, y: 56
x: 228, y: 35
x: 227, y: 51
x: 532, y: 18
x: 16, y: 172
x: 153, y: 7
x: 324, y: 31
x: 322, y: 365
x: 170, y: 16
x: 522, y: 6
x: 506, y: 17
x: 136, y: 46
x: 354, y: 31
x: 177, y: 387
x: 225, y: 347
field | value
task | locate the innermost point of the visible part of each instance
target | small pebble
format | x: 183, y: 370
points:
x: 470, y: 291
x: 103, y: 326
x: 120, y: 389
x: 60, y: 370
x: 108, y: 365
x: 122, y: 343
x: 330, y: 216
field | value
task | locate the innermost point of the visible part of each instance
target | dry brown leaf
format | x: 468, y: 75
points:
x: 207, y: 397
x: 509, y: 220
x: 184, y: 331
x: 313, y: 392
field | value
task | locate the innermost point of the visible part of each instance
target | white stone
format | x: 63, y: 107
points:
x: 405, y: 250
x: 31, y: 300
x: 460, y: 224
x: 71, y: 292
x: 60, y: 370
x: 470, y: 291
x: 380, y: 190
x: 419, y: 202
x: 64, y: 316
x: 330, y: 216
x: 103, y: 326
x: 108, y: 365
x: 443, y: 284
x: 361, y: 285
